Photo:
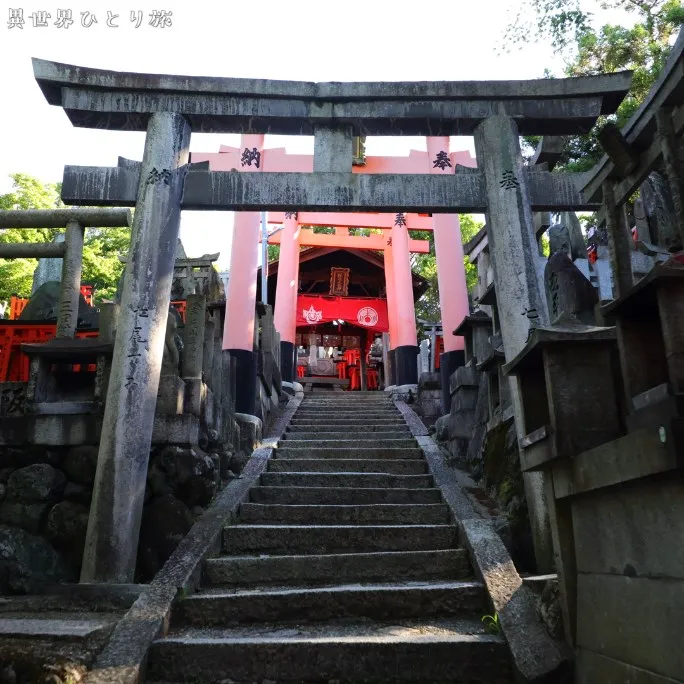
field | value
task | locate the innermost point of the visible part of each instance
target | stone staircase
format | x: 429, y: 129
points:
x: 343, y: 566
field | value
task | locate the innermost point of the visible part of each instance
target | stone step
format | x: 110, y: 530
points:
x: 314, y: 539
x: 395, y: 427
x: 356, y: 480
x: 349, y: 417
x: 313, y: 452
x: 360, y: 444
x: 396, y: 433
x: 343, y: 496
x: 345, y: 567
x: 327, y: 403
x: 369, y: 514
x: 55, y: 626
x: 395, y: 466
x: 446, y: 649
x: 357, y: 426
x: 388, y: 601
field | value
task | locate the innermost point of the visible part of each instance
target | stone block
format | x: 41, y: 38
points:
x: 194, y: 395
x: 37, y: 482
x: 465, y: 376
x: 182, y: 429
x: 461, y: 425
x: 464, y: 399
x: 429, y: 381
x: 250, y: 432
x: 171, y: 396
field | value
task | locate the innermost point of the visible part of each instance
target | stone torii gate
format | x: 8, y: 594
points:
x: 253, y: 156
x: 168, y: 108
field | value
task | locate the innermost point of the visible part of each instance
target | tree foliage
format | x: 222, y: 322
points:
x: 589, y: 50
x: 102, y: 246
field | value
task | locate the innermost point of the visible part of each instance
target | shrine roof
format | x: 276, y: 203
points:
x: 97, y: 98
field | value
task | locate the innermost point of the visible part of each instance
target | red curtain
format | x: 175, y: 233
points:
x: 364, y: 313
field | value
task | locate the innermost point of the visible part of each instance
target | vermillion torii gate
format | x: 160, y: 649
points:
x: 170, y: 107
x: 252, y: 156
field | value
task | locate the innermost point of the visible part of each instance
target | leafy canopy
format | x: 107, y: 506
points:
x: 641, y: 45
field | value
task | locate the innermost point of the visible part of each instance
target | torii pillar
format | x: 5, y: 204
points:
x: 285, y: 315
x: 405, y: 350
x: 238, y: 327
x: 453, y: 291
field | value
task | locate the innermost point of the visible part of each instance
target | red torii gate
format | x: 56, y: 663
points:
x: 241, y: 294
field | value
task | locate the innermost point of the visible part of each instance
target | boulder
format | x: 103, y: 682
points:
x: 165, y: 521
x: 28, y: 563
x: 37, y: 482
x: 66, y: 528
x: 28, y: 516
x: 80, y: 464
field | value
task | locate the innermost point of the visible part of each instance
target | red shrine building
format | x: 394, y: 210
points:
x: 341, y: 316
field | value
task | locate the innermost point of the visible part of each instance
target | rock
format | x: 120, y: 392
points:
x: 38, y: 482
x: 3, y: 491
x: 79, y: 493
x: 197, y: 491
x: 29, y: 517
x: 67, y: 523
x: 550, y: 609
x: 27, y: 562
x: 80, y: 464
x: 44, y: 305
x: 165, y: 521
x: 442, y: 429
x: 5, y: 474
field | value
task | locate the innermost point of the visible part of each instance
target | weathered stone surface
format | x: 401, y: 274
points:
x: 27, y: 563
x: 544, y: 106
x: 80, y: 464
x: 568, y: 291
x: 44, y: 306
x: 29, y: 516
x: 38, y: 482
x: 165, y: 522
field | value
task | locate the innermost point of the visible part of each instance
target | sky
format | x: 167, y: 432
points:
x: 369, y: 40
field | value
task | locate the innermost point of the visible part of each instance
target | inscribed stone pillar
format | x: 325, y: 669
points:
x: 238, y: 330
x: 453, y: 291
x: 48, y: 270
x: 70, y: 287
x: 520, y: 296
x: 119, y: 490
x: 285, y: 315
x: 405, y: 349
x: 193, y: 348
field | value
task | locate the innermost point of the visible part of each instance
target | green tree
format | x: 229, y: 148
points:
x: 101, y: 250
x: 427, y: 307
x: 590, y: 50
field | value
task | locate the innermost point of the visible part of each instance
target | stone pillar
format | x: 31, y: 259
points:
x: 673, y: 166
x: 520, y: 295
x: 405, y: 347
x: 238, y: 329
x: 285, y: 316
x: 119, y: 491
x: 193, y: 351
x: 70, y: 287
x: 619, y: 247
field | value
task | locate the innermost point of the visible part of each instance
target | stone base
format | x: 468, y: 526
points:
x: 403, y: 392
x: 406, y: 365
x: 170, y: 396
x: 175, y: 430
x: 245, y: 380
x: 250, y: 432
x: 448, y: 363
x: 287, y: 361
